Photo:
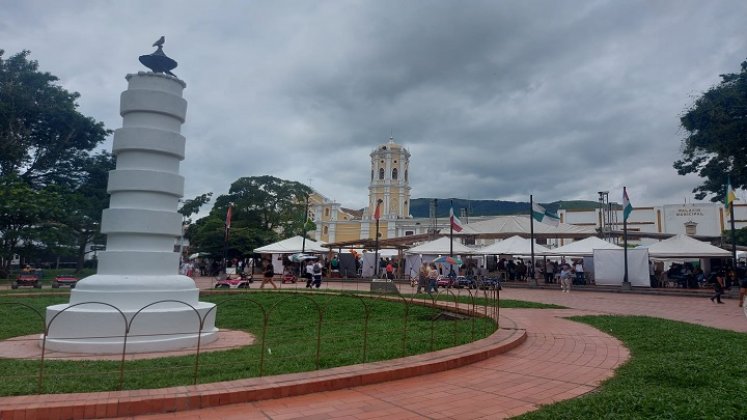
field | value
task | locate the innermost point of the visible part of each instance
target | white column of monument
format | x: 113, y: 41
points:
x: 139, y: 266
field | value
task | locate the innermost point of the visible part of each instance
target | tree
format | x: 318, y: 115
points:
x: 43, y: 137
x: 84, y: 203
x: 740, y: 236
x: 265, y: 209
x: 44, y: 154
x: 192, y: 206
x: 716, y: 141
x: 25, y: 211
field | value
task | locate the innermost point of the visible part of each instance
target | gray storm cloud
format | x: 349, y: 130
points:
x: 495, y: 100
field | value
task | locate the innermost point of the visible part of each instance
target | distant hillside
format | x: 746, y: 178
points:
x: 420, y: 207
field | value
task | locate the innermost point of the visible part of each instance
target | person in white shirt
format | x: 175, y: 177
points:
x: 565, y: 278
x: 309, y: 273
x: 579, y: 272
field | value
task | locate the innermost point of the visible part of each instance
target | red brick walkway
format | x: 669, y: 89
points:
x: 559, y: 360
x: 692, y: 309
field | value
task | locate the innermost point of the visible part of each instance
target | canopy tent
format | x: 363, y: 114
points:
x: 368, y: 260
x: 582, y: 248
x: 429, y: 251
x: 515, y: 245
x: 440, y: 246
x: 291, y: 246
x: 506, y: 226
x: 609, y: 267
x: 683, y: 246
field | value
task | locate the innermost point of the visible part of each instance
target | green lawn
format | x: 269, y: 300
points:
x: 676, y: 371
x: 293, y: 331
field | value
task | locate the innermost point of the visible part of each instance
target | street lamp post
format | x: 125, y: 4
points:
x: 226, y: 235
x: 603, y: 200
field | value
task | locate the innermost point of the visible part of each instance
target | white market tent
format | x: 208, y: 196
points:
x: 683, y: 246
x: 515, y: 245
x: 368, y: 260
x: 520, y: 225
x: 429, y: 251
x: 609, y: 267
x: 582, y: 248
x: 291, y: 246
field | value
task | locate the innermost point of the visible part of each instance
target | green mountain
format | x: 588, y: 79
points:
x: 420, y: 207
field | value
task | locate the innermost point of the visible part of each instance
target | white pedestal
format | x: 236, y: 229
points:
x: 137, y: 292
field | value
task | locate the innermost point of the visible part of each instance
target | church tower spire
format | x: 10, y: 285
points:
x: 390, y: 181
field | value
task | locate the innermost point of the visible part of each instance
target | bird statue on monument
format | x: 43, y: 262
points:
x: 158, y: 62
x: 160, y: 42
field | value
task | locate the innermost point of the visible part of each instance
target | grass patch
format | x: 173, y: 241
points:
x: 676, y: 371
x: 292, y: 333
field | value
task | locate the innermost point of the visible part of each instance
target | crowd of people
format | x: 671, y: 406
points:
x: 562, y: 272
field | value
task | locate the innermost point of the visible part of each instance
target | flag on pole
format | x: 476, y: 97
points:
x: 456, y: 224
x: 541, y: 215
x: 627, y: 207
x: 377, y: 212
x: 229, y: 212
x: 730, y: 196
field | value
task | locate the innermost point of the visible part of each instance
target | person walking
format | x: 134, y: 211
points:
x: 422, y: 278
x: 268, y: 276
x: 389, y: 270
x: 432, y: 278
x: 316, y: 273
x: 549, y: 272
x: 579, y: 268
x: 718, y: 287
x: 309, y: 274
x: 565, y: 278
x: 742, y: 278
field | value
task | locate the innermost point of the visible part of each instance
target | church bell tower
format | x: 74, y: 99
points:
x: 390, y: 181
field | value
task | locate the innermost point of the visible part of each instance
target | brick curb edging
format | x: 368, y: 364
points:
x: 153, y: 401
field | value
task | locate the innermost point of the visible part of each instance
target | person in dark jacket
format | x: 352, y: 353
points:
x: 718, y: 287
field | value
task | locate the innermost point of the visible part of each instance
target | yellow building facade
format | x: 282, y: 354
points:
x: 389, y: 183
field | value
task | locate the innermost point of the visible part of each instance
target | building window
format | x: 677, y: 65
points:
x: 405, y: 175
x: 326, y: 212
x: 381, y: 173
x: 394, y: 173
x: 326, y: 230
x: 691, y: 228
x: 371, y: 174
x: 409, y: 233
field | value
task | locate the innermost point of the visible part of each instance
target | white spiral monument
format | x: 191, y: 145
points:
x: 139, y: 269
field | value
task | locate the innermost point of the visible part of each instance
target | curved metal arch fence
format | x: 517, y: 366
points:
x: 265, y: 316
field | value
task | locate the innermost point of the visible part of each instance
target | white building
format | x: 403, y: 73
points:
x: 705, y: 220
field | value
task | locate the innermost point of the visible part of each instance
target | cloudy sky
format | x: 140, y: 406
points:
x: 494, y: 99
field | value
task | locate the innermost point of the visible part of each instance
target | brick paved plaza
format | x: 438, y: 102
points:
x: 540, y: 358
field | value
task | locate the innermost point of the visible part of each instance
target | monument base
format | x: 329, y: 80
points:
x: 99, y: 328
